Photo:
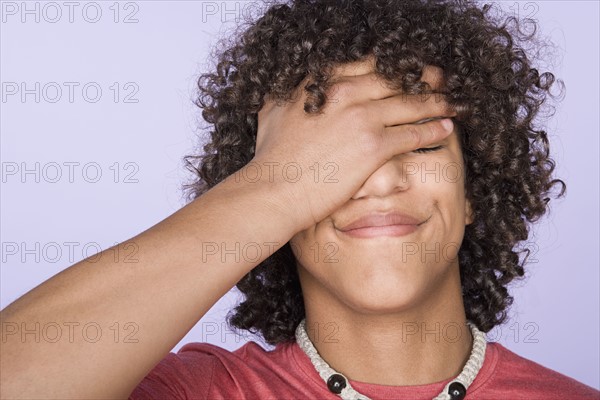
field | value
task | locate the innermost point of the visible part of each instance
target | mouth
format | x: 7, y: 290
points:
x: 375, y: 225
x: 375, y: 231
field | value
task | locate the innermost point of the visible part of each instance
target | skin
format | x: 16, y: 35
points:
x: 173, y: 281
x: 368, y: 300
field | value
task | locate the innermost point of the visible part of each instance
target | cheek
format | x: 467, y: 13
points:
x: 452, y: 211
x: 306, y: 247
x: 445, y: 191
x: 318, y: 250
x: 452, y: 172
x: 297, y: 244
x: 443, y: 180
x: 316, y: 236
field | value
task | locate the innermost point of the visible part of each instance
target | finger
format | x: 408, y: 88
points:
x: 434, y: 76
x: 355, y: 68
x: 362, y: 81
x: 369, y: 85
x: 408, y: 109
x: 404, y: 138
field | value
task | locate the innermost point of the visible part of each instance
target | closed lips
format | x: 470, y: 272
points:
x: 371, y: 220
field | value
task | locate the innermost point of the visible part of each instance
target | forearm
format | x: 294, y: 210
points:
x: 177, y: 270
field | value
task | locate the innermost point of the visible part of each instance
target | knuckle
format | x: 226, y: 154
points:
x: 413, y: 134
x: 441, y: 105
x: 342, y: 91
x: 369, y: 142
x: 358, y: 112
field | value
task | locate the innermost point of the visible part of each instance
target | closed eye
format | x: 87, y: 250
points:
x: 427, y: 149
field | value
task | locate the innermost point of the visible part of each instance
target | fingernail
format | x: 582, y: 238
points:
x: 447, y: 124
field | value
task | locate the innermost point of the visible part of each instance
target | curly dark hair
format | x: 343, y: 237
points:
x: 490, y: 82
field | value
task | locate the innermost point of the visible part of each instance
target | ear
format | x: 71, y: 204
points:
x: 468, y: 212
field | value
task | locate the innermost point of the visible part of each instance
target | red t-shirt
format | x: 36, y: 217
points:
x: 206, y: 371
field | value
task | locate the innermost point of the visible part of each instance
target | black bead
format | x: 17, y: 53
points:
x: 457, y: 391
x: 336, y: 383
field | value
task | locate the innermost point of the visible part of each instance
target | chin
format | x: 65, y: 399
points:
x: 380, y: 305
x: 382, y: 293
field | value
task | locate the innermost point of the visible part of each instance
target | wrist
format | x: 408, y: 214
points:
x: 261, y: 191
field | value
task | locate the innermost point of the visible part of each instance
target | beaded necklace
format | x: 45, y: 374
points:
x: 339, y: 384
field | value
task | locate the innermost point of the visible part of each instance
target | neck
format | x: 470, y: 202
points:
x: 417, y: 346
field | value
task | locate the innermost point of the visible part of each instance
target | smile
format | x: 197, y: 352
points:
x: 386, y: 230
x: 387, y: 224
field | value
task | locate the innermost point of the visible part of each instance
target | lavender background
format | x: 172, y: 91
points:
x: 154, y: 62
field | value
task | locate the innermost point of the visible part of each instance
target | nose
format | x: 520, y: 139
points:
x: 392, y: 177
